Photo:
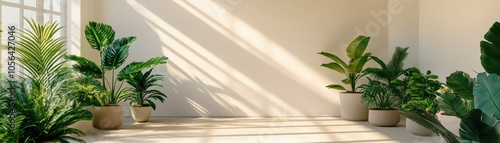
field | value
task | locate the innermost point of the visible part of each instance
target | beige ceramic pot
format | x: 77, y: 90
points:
x: 141, y: 114
x: 384, y: 118
x: 85, y: 126
x: 417, y: 129
x: 351, y: 107
x: 107, y: 117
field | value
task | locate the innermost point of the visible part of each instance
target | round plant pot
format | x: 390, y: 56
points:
x: 107, y: 117
x: 141, y: 114
x: 85, y: 126
x: 351, y: 107
x: 451, y: 123
x: 383, y: 118
x: 417, y: 129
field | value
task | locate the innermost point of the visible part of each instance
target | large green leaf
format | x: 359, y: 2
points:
x: 86, y: 67
x: 473, y: 129
x: 490, y: 50
x: 334, y: 66
x: 139, y: 66
x: 461, y: 84
x: 487, y: 94
x: 99, y: 35
x: 114, y: 56
x: 335, y: 86
x: 357, y: 47
x: 453, y: 105
x: 432, y: 123
x: 356, y: 65
x: 335, y: 58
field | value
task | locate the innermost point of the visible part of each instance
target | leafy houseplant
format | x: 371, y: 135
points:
x: 113, y: 54
x: 423, y: 91
x: 482, y: 123
x: 141, y: 95
x: 44, y: 113
x: 350, y: 102
x: 385, y: 91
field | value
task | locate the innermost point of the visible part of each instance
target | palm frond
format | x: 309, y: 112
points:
x: 139, y: 66
x: 86, y: 67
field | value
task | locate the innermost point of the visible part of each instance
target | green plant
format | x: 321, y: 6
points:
x: 141, y: 93
x: 480, y: 124
x: 113, y: 54
x: 353, y: 69
x: 378, y: 95
x: 43, y: 112
x: 87, y: 91
x: 387, y: 91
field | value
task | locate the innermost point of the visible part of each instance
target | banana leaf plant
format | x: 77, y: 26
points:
x: 113, y: 54
x: 141, y: 94
x: 352, y: 69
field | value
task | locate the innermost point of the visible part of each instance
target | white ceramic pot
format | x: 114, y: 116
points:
x: 384, y: 118
x: 141, y: 114
x: 85, y: 126
x: 107, y: 117
x: 417, y: 129
x: 451, y: 123
x: 351, y: 107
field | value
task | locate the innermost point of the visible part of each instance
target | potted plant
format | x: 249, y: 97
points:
x: 384, y: 93
x: 113, y: 54
x: 86, y: 92
x: 350, y: 101
x: 42, y: 111
x: 141, y: 95
x: 423, y: 91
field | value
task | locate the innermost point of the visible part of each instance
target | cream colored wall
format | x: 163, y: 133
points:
x: 245, y: 57
x: 450, y: 32
x: 88, y: 13
x: 404, y: 29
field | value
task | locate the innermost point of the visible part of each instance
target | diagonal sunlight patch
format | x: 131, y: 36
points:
x: 259, y: 45
x: 190, y: 56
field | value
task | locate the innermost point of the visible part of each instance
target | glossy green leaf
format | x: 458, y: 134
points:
x: 453, y: 105
x: 357, y: 47
x: 335, y: 67
x: 335, y: 86
x: 99, y: 35
x: 490, y: 49
x: 487, y: 94
x: 114, y: 56
x: 461, y: 84
x: 473, y: 129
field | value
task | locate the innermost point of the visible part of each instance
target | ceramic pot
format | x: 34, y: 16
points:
x: 141, y: 114
x: 384, y: 118
x: 417, y: 129
x: 107, y: 117
x: 85, y: 126
x: 351, y: 107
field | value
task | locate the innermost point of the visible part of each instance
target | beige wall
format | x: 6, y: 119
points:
x: 450, y: 32
x: 245, y: 57
x: 258, y: 57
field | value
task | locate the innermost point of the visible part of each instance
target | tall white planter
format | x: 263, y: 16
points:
x: 351, y: 107
x: 107, y: 117
x: 141, y: 114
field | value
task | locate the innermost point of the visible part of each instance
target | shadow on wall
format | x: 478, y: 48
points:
x: 214, y: 71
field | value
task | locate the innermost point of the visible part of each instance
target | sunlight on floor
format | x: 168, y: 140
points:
x: 254, y: 130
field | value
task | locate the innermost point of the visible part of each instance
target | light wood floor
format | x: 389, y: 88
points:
x: 254, y: 130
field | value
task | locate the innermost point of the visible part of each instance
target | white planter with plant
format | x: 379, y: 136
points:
x: 113, y: 54
x: 351, y: 106
x: 385, y: 92
x: 141, y: 94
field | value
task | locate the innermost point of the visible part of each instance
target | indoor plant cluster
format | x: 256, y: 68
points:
x: 420, y: 96
x: 52, y: 96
